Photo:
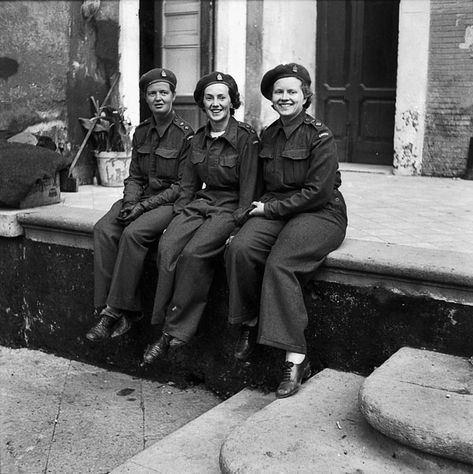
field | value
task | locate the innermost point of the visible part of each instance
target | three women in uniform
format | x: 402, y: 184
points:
x: 287, y: 190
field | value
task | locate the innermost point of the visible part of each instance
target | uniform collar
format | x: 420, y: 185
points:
x: 293, y: 125
x: 230, y: 132
x: 162, y: 127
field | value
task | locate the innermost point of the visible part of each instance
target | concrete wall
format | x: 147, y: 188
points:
x: 54, y: 56
x: 46, y: 303
x: 34, y: 50
x: 411, y: 94
x: 449, y: 120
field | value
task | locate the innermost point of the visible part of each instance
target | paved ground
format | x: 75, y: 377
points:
x: 63, y: 417
x: 416, y: 211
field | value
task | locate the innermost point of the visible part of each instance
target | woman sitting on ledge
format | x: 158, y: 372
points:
x: 219, y: 182
x: 298, y: 221
x: 124, y: 235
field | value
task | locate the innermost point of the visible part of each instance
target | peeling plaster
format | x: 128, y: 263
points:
x: 407, y: 156
x: 468, y: 44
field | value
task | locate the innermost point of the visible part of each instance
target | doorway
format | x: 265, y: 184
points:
x: 178, y: 35
x: 356, y: 76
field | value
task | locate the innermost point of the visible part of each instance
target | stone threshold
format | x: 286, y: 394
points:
x: 414, y: 271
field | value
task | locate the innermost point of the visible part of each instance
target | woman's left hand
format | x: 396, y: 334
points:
x: 258, y: 210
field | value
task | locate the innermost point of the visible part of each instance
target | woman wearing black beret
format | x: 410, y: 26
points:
x: 300, y: 218
x: 219, y: 183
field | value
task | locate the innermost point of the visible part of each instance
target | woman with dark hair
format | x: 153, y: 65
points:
x: 219, y: 183
x: 298, y: 221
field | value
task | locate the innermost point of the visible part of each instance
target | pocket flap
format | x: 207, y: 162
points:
x: 265, y: 154
x: 166, y: 153
x: 144, y: 149
x: 228, y: 160
x: 296, y: 154
x: 197, y: 156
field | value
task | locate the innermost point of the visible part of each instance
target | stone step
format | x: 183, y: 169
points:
x: 321, y: 430
x: 423, y: 399
x: 195, y: 447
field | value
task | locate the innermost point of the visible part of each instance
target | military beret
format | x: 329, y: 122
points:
x: 283, y: 70
x: 214, y: 78
x: 157, y: 75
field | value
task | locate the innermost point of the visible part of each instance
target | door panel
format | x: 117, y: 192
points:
x: 180, y: 33
x: 356, y: 76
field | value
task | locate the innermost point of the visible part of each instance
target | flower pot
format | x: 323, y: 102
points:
x: 113, y: 167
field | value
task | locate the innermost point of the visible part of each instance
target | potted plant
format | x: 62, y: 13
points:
x: 110, y: 134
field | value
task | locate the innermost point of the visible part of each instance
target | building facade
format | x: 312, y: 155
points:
x: 392, y: 78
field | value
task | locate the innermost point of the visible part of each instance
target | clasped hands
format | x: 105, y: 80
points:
x: 129, y: 213
x: 254, y: 210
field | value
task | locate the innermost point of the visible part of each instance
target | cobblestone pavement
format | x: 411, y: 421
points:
x: 60, y: 416
x: 434, y: 213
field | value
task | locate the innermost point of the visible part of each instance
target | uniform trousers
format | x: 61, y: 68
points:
x: 268, y: 263
x: 186, y: 266
x: 119, y: 255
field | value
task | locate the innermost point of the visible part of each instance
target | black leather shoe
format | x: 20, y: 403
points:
x: 160, y: 348
x: 102, y: 330
x: 246, y: 342
x: 157, y: 350
x: 122, y: 327
x: 293, y: 376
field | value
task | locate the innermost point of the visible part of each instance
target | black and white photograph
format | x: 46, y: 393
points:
x: 236, y: 236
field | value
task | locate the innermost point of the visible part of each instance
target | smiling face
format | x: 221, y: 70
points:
x: 160, y: 98
x: 288, y: 98
x: 217, y: 105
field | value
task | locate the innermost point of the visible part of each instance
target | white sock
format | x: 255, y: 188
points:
x: 295, y: 357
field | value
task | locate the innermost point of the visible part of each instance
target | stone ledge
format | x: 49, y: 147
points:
x: 415, y: 271
x: 423, y: 399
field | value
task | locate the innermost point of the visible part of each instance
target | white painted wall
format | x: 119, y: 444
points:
x: 129, y: 62
x: 230, y: 34
x: 412, y: 75
x: 289, y: 35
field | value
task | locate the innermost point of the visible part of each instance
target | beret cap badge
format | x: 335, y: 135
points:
x: 219, y: 77
x: 163, y: 73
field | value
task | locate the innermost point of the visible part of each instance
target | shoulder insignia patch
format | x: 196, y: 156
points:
x: 247, y: 126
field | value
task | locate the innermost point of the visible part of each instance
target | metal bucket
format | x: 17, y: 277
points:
x: 113, y: 167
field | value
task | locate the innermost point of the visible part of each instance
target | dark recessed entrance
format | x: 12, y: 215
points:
x: 356, y: 76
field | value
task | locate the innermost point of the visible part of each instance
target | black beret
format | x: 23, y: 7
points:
x: 283, y: 70
x: 157, y: 75
x: 214, y: 78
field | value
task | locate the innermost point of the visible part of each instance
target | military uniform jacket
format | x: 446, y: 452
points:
x: 157, y: 162
x: 300, y: 167
x: 226, y: 165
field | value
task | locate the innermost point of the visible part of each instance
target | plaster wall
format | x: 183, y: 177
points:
x: 230, y: 44
x: 34, y: 50
x: 128, y: 51
x: 414, y: 29
x: 289, y: 35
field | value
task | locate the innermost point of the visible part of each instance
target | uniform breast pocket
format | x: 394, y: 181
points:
x: 142, y: 156
x: 166, y: 162
x: 228, y: 161
x: 296, y: 165
x: 267, y: 161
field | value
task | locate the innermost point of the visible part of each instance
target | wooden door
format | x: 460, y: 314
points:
x: 356, y: 76
x: 180, y: 39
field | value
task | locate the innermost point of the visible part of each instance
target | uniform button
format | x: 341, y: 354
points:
x: 186, y: 128
x: 182, y: 123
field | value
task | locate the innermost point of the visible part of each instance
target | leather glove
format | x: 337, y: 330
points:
x: 127, y: 216
x: 242, y: 216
